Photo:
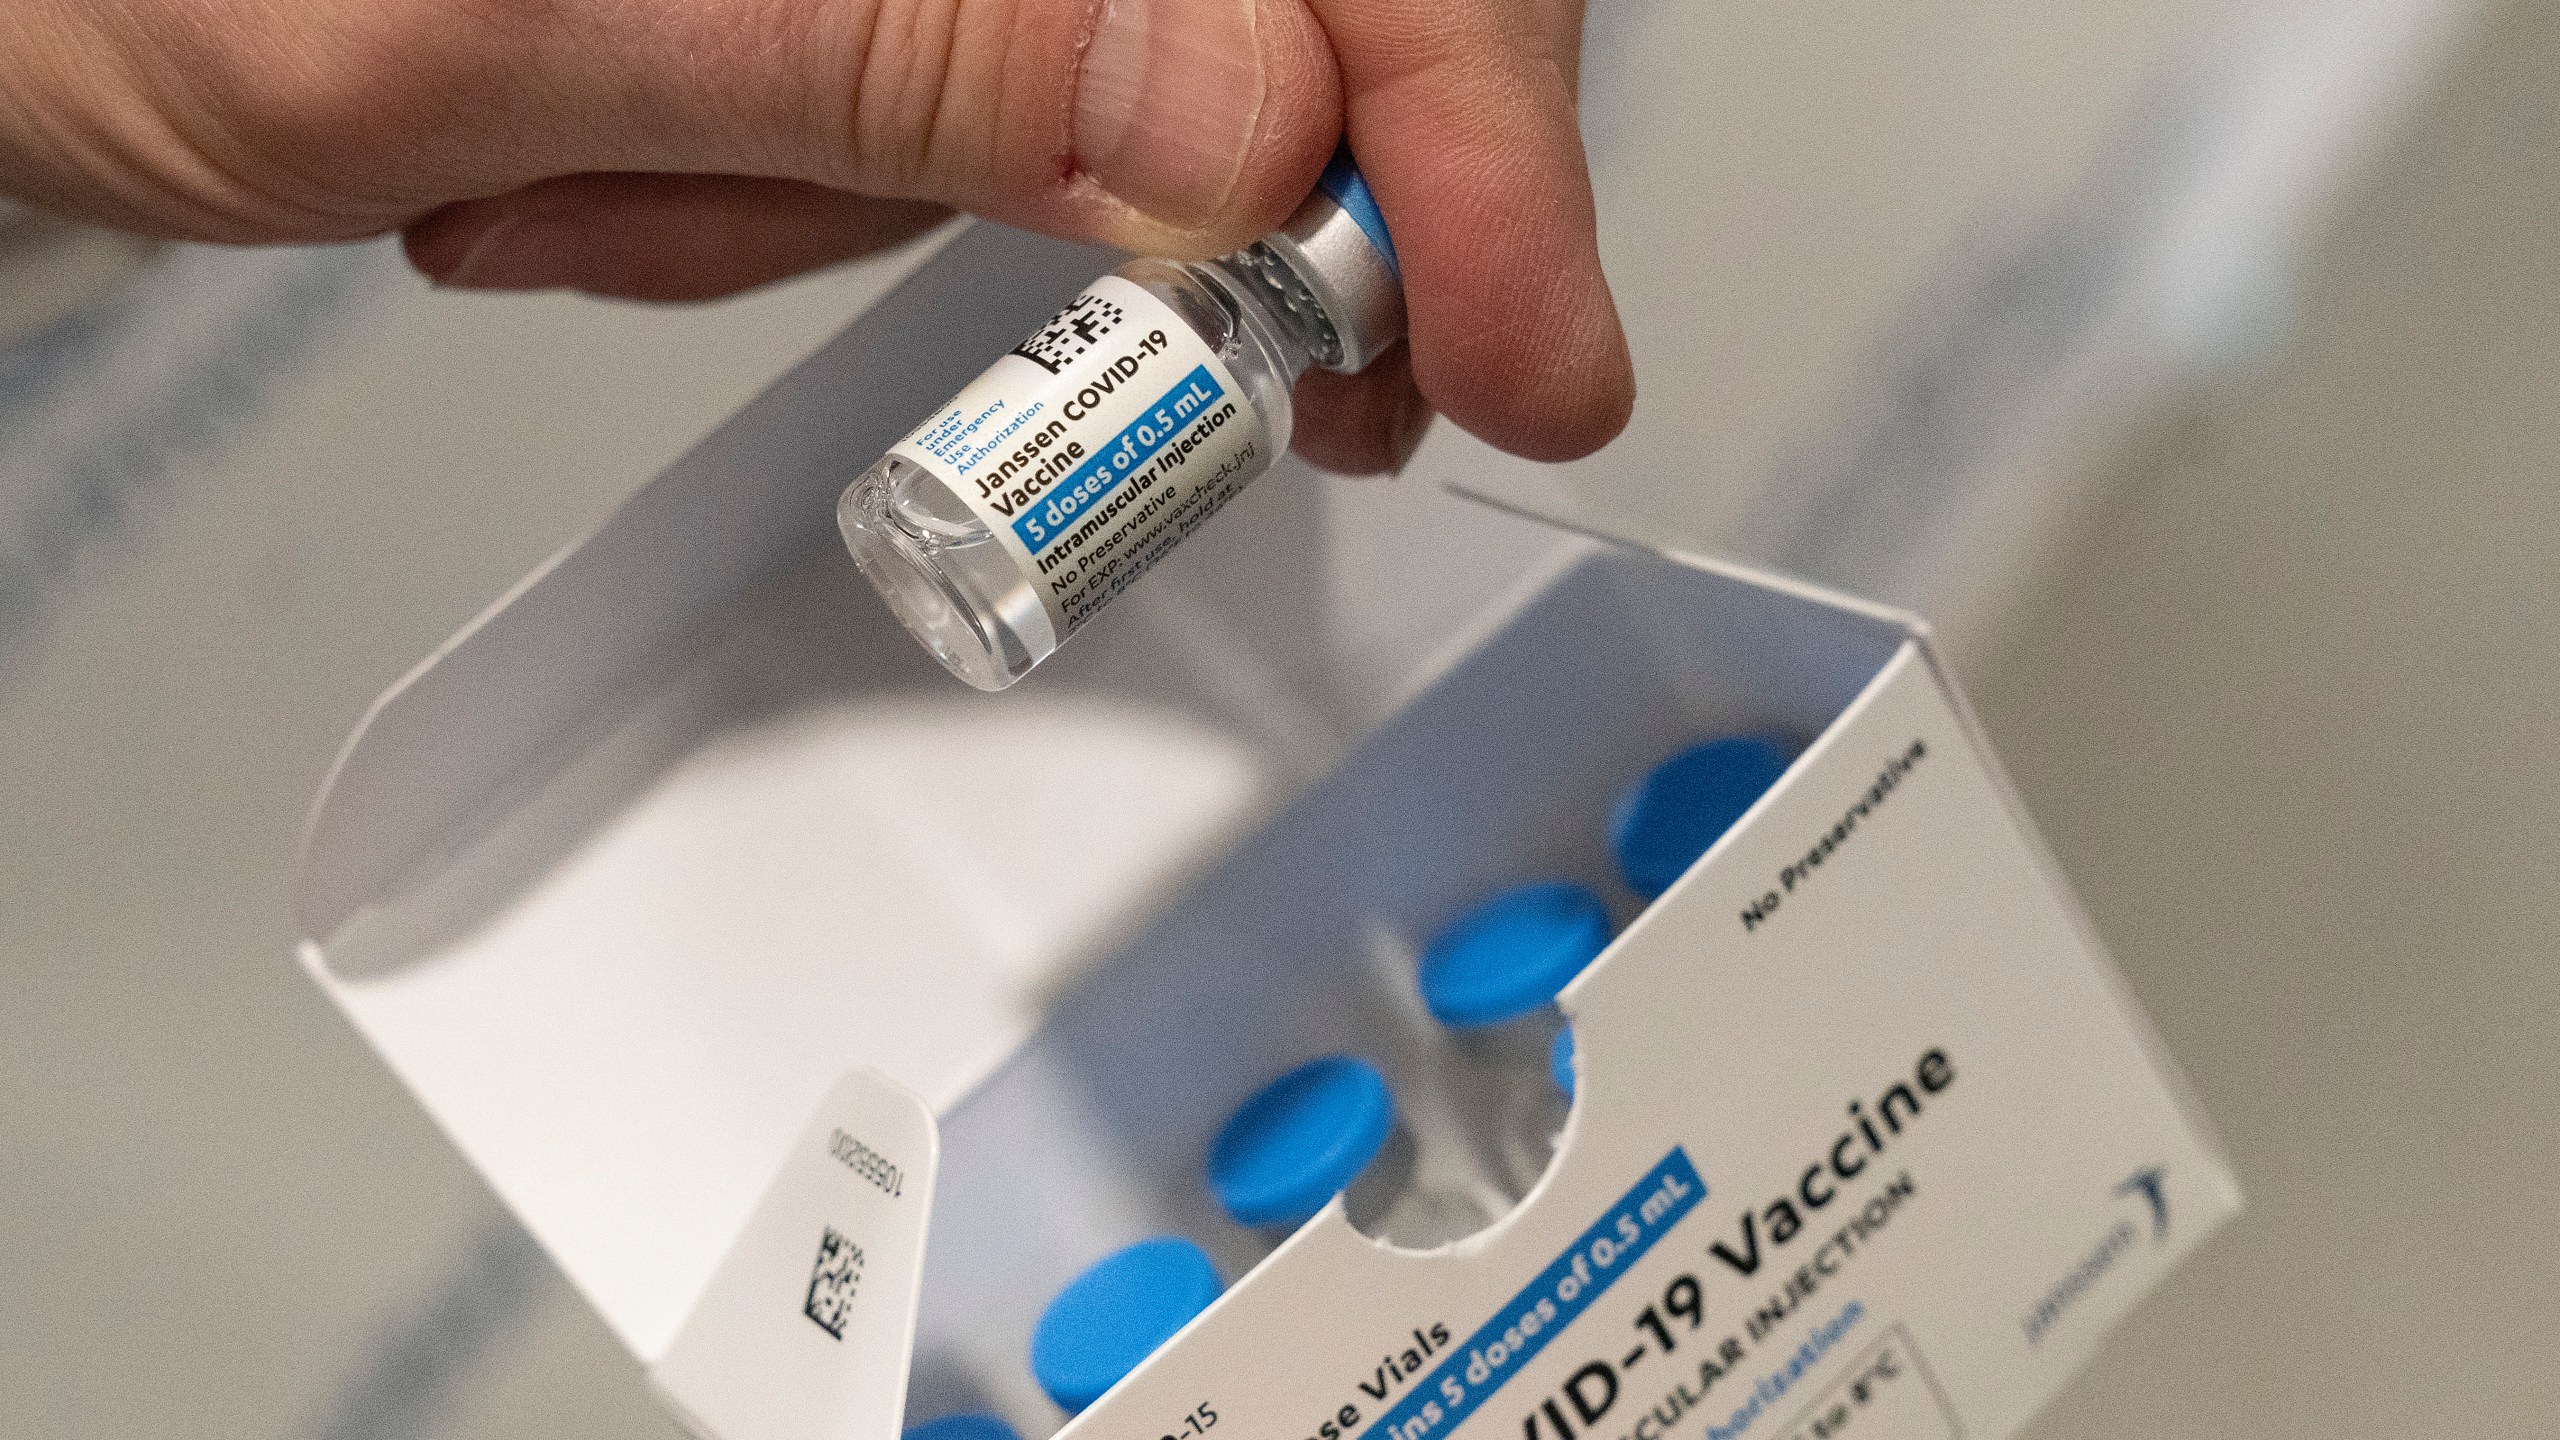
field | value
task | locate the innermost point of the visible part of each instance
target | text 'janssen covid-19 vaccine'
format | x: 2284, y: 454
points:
x: 1083, y: 456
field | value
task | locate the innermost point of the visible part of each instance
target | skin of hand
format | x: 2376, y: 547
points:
x: 685, y: 149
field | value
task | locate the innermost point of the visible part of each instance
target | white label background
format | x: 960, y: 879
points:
x: 752, y: 1362
x: 1157, y: 458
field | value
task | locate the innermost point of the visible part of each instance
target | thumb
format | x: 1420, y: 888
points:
x: 1199, y: 124
x: 1179, y: 127
x: 1172, y: 126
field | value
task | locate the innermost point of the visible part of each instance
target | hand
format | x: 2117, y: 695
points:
x: 682, y: 149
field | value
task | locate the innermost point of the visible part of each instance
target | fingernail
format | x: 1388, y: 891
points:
x: 1166, y: 104
x: 514, y: 254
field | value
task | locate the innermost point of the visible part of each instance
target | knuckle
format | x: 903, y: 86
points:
x: 956, y: 99
x: 142, y: 117
x: 899, y: 82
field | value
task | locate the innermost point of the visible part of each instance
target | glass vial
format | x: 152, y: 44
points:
x: 1492, y: 977
x: 1122, y: 1309
x: 1327, y: 1128
x: 1083, y: 456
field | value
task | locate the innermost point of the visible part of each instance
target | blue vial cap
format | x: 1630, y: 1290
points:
x: 966, y: 1426
x: 1300, y: 1140
x: 1672, y: 815
x: 1560, y: 1061
x: 1344, y: 185
x: 1511, y: 954
x: 1113, y: 1316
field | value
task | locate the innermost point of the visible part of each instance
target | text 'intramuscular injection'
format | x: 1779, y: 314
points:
x: 1083, y: 456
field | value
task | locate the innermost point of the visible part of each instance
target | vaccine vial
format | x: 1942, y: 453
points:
x: 1327, y: 1128
x: 968, y: 1425
x: 1491, y: 977
x: 1122, y: 1309
x: 1682, y: 806
x: 1082, y: 457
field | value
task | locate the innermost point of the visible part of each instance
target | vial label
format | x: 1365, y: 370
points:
x: 1096, y: 445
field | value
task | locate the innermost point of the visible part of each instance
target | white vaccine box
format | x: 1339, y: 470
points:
x: 732, y: 941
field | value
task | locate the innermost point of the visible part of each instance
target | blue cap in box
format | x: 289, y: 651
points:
x: 1299, y: 1140
x: 1113, y: 1316
x: 1560, y: 1062
x: 966, y: 1426
x: 1511, y: 954
x: 1672, y: 815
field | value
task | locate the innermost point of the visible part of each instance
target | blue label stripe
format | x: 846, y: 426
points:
x: 1159, y: 425
x: 1505, y: 1344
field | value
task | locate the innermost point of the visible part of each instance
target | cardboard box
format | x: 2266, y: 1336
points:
x: 699, y: 907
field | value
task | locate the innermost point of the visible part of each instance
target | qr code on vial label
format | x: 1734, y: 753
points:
x: 832, y: 1281
x: 1078, y: 328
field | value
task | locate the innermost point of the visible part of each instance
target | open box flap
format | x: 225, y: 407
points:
x: 479, y: 720
x: 496, y: 711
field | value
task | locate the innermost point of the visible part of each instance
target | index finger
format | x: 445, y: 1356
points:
x: 1463, y: 115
